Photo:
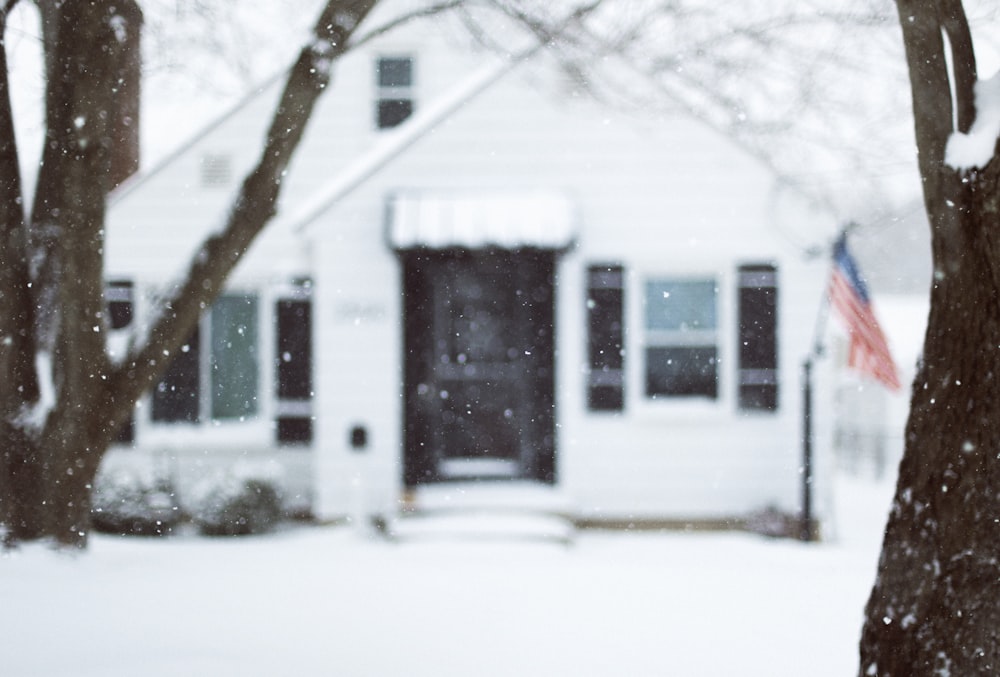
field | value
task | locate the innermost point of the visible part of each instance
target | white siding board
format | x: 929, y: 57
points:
x: 658, y: 197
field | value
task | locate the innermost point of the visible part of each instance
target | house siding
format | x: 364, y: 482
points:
x: 660, y: 197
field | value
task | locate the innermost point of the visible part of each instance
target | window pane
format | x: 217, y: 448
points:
x: 175, y: 397
x: 395, y: 72
x: 118, y: 295
x: 392, y: 112
x: 680, y: 304
x: 681, y: 371
x: 233, y: 359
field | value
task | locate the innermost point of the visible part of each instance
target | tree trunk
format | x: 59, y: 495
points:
x: 935, y: 605
x: 75, y: 174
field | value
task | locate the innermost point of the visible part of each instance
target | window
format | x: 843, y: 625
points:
x: 118, y: 295
x: 394, y: 100
x: 758, y: 337
x: 681, y: 340
x: 223, y: 364
x: 294, y: 370
x: 233, y: 357
x: 605, y: 338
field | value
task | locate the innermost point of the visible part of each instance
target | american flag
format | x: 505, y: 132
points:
x: 869, y: 352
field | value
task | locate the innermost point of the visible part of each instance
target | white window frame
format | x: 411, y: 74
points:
x: 638, y: 339
x: 252, y: 431
x: 394, y: 92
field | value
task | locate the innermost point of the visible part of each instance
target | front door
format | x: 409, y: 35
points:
x: 478, y: 386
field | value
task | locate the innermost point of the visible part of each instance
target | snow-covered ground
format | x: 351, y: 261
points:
x: 327, y: 601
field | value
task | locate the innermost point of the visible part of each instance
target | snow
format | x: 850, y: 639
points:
x: 975, y: 149
x: 327, y: 600
x: 477, y: 219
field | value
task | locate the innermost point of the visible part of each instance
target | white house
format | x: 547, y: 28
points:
x: 478, y: 277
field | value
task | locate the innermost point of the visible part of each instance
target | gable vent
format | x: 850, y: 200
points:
x: 216, y: 170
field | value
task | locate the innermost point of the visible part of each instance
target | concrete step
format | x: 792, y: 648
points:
x: 484, y: 511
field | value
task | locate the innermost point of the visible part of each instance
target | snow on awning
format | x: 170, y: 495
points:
x: 480, y: 220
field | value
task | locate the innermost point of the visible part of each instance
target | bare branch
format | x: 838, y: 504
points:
x: 422, y: 13
x: 254, y: 206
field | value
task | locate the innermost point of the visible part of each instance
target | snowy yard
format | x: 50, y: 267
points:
x: 324, y: 601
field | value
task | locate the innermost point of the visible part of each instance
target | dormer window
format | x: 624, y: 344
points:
x: 394, y: 98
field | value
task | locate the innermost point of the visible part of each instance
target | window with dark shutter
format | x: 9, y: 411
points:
x: 605, y: 338
x: 758, y: 338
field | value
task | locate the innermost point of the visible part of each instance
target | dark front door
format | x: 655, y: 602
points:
x: 478, y: 387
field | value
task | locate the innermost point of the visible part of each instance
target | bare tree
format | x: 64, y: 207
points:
x: 934, y: 607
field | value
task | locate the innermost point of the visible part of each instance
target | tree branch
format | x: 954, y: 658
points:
x: 422, y: 13
x: 253, y: 209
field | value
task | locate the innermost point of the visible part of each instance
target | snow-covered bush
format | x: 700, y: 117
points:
x: 124, y: 501
x: 242, y: 501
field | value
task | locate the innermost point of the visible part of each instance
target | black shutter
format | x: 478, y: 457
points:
x: 758, y: 337
x: 176, y: 396
x: 294, y: 371
x: 119, y: 304
x: 605, y: 337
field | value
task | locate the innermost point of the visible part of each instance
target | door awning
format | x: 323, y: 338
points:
x: 466, y: 220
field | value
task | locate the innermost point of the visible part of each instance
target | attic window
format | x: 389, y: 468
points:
x: 394, y: 97
x: 216, y: 170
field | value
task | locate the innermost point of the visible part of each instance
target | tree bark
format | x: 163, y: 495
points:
x: 75, y: 174
x: 935, y: 605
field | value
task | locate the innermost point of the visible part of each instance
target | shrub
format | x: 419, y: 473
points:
x: 125, y: 502
x: 238, y: 503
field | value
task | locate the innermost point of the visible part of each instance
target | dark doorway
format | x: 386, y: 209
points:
x: 479, y: 365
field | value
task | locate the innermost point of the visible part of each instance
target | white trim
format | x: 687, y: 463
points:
x: 636, y: 342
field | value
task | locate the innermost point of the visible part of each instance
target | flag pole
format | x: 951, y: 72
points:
x: 806, y: 531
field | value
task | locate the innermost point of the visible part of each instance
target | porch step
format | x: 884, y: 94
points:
x: 488, y: 495
x: 507, y: 511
